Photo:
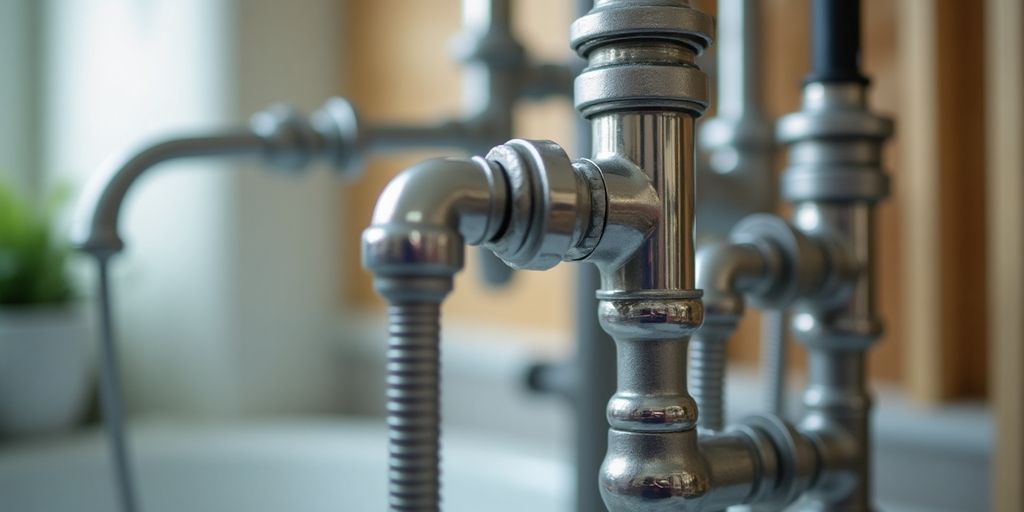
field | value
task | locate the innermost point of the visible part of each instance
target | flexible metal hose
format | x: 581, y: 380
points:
x: 413, y: 405
x: 706, y: 378
x: 773, y: 360
x: 111, y: 397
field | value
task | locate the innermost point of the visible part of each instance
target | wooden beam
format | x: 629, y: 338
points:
x: 1004, y: 47
x: 922, y: 276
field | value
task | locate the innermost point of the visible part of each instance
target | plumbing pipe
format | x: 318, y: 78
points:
x: 834, y: 179
x: 629, y: 210
x: 767, y: 262
x: 723, y: 271
x: 526, y: 202
x: 735, y: 164
x: 735, y: 174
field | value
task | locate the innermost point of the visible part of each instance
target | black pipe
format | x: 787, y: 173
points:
x: 835, y: 42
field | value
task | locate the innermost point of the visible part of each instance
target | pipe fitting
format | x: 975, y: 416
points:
x: 553, y: 203
x: 657, y: 40
x: 429, y: 212
x: 644, y: 472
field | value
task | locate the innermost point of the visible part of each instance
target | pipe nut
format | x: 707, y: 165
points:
x: 550, y: 205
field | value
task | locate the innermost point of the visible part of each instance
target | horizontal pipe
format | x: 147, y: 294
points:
x: 95, y: 228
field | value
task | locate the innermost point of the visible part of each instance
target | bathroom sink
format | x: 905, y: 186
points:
x: 301, y: 466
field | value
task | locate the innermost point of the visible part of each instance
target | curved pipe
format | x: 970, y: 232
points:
x: 464, y: 196
x: 96, y: 221
x: 421, y: 222
x: 724, y: 271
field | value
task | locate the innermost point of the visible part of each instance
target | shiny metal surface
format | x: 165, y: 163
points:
x: 725, y: 271
x: 660, y: 143
x: 835, y: 179
x: 526, y: 201
x: 641, y: 90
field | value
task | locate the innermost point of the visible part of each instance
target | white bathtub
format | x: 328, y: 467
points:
x: 302, y: 466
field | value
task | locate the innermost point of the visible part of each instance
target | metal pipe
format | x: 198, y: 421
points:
x: 834, y: 179
x: 642, y: 90
x: 415, y: 245
x: 773, y: 360
x: 724, y: 272
x: 738, y: 60
x: 112, y: 400
x: 95, y: 227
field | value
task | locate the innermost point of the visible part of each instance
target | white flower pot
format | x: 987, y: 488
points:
x: 46, y: 368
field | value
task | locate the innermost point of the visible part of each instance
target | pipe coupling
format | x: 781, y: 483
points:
x: 641, y: 55
x: 835, y: 146
x: 556, y: 207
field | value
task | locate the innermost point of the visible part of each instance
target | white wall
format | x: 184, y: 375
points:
x: 17, y: 97
x: 225, y: 293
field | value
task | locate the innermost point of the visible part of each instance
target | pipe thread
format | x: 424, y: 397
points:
x: 707, y: 380
x: 413, y: 406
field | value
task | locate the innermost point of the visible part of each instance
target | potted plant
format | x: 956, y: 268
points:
x: 45, y: 342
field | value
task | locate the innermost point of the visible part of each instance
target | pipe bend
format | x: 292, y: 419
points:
x: 724, y: 272
x: 427, y: 213
x: 95, y: 227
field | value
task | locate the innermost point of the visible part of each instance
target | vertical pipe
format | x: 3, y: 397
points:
x: 642, y: 91
x: 773, y: 360
x: 414, y: 406
x: 111, y: 396
x: 738, y: 67
x: 595, y: 358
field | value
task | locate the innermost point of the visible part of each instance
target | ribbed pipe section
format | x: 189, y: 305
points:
x: 414, y: 407
x: 706, y: 379
x: 773, y: 360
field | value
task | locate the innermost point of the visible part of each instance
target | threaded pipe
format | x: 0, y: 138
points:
x: 414, y: 406
x: 707, y: 379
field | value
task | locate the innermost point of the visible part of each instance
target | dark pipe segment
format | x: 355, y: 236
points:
x: 835, y: 42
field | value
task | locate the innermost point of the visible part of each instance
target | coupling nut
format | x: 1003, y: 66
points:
x: 556, y: 207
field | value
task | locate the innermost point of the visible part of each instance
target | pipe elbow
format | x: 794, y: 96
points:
x: 95, y: 225
x: 663, y: 471
x: 724, y: 272
x: 428, y: 213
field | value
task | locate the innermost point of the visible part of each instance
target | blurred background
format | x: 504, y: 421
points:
x: 251, y: 339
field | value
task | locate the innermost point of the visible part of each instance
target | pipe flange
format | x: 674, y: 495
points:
x: 672, y: 20
x: 546, y: 203
x: 799, y: 263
